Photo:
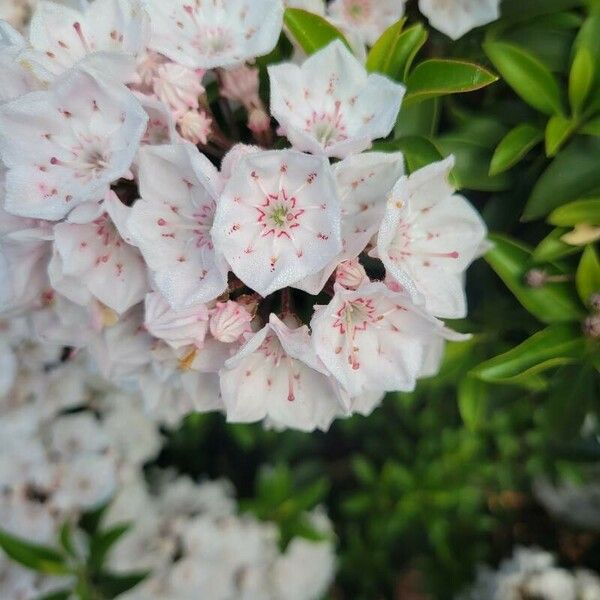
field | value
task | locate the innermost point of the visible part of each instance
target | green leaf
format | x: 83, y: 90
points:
x: 111, y: 586
x: 418, y: 151
x: 556, y: 345
x: 522, y: 11
x: 554, y: 302
x: 581, y: 79
x: 472, y: 402
x: 558, y: 131
x: 472, y: 165
x: 528, y: 76
x: 66, y: 539
x: 552, y: 247
x: 588, y: 274
x: 419, y: 119
x: 64, y: 594
x: 386, y: 56
x: 514, y: 146
x: 588, y: 39
x: 311, y: 31
x: 576, y: 213
x: 34, y: 556
x: 364, y: 470
x: 438, y: 77
x: 103, y: 541
x: 403, y: 48
x: 573, y: 174
x: 592, y: 127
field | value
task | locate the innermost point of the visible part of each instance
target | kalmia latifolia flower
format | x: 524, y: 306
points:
x: 295, y: 281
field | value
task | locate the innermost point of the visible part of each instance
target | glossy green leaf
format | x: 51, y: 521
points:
x: 103, y: 541
x: 409, y: 42
x: 514, y: 147
x: 552, y: 247
x: 472, y: 402
x: 111, y: 586
x: 552, y: 303
x: 472, y: 165
x: 34, y: 556
x: 418, y: 151
x: 527, y: 75
x: 438, y: 77
x: 386, y: 54
x: 311, y: 31
x: 591, y: 127
x: 588, y: 274
x: 556, y: 345
x: 519, y: 10
x: 558, y: 131
x: 572, y: 174
x: 581, y: 79
x: 419, y: 119
x: 575, y: 213
x: 588, y: 39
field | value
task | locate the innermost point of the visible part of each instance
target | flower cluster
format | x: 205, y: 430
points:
x: 533, y: 573
x: 295, y: 284
x: 69, y: 444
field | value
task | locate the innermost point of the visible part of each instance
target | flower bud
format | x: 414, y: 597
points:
x: 240, y: 85
x: 536, y: 278
x: 594, y: 302
x: 259, y: 121
x: 351, y: 274
x: 229, y: 321
x: 195, y: 126
x: 591, y: 327
x: 178, y: 86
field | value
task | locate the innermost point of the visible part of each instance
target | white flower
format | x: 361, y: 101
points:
x: 373, y: 339
x: 277, y: 375
x: 428, y: 238
x: 195, y: 126
x: 15, y: 79
x: 363, y: 182
x: 171, y: 223
x: 96, y: 256
x: 457, y: 17
x: 66, y: 145
x: 330, y: 105
x: 278, y: 219
x: 229, y: 321
x: 106, y: 33
x: 220, y: 33
x: 367, y: 18
x: 179, y: 328
x: 314, y: 6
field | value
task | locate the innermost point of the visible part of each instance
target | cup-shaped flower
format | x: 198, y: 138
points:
x: 457, y: 17
x: 219, y: 33
x: 330, y: 105
x: 363, y: 182
x: 278, y: 219
x: 367, y: 18
x: 171, y: 223
x: 61, y: 36
x: 276, y: 374
x: 64, y: 146
x: 374, y: 339
x: 428, y: 238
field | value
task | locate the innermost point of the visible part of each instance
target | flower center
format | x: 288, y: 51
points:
x: 279, y: 214
x: 358, y: 10
x: 214, y: 41
x: 328, y: 128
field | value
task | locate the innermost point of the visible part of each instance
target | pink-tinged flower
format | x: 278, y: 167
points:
x: 178, y: 87
x: 101, y: 261
x: 15, y: 79
x: 172, y: 221
x: 229, y: 321
x: 457, y: 17
x: 178, y: 328
x: 278, y: 219
x: 366, y: 18
x: 146, y: 68
x: 364, y: 182
x: 195, y: 126
x: 66, y: 145
x: 351, y: 274
x: 219, y: 33
x: 428, y: 238
x: 331, y: 105
x: 240, y: 85
x: 276, y: 374
x: 110, y: 33
x: 374, y: 339
x: 161, y: 126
